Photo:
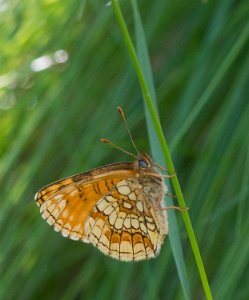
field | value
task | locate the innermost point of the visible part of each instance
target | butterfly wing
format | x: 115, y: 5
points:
x: 66, y: 204
x: 107, y: 207
x: 125, y: 224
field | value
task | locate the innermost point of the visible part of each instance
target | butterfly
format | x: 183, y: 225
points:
x: 118, y: 208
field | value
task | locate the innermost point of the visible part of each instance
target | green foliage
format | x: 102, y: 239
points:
x: 51, y: 122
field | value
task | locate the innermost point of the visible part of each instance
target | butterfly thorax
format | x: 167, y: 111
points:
x: 151, y: 182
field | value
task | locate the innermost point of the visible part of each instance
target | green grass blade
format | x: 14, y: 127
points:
x: 229, y: 59
x: 155, y: 148
x: 51, y: 122
x: 165, y: 150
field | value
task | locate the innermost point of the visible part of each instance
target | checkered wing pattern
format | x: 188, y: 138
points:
x: 114, y: 208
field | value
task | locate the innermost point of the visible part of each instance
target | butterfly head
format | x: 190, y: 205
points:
x: 145, y: 163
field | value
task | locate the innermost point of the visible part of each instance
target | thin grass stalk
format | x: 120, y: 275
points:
x: 229, y: 59
x: 174, y: 235
x: 164, y: 146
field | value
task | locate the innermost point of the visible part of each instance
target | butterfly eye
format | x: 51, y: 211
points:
x: 142, y: 163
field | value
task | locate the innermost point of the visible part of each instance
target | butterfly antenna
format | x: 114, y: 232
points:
x: 127, y: 128
x: 117, y: 147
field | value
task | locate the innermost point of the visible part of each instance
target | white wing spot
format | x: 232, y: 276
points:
x: 102, y: 204
x: 50, y: 220
x: 98, y: 228
x: 132, y: 196
x: 65, y: 232
x: 127, y: 205
x: 120, y: 220
x: 74, y: 236
x: 134, y: 223
x: 112, y: 218
x: 140, y: 206
x: 57, y: 227
x: 125, y: 247
x: 110, y: 198
x: 143, y: 227
x: 124, y: 190
x: 109, y: 209
x: 127, y: 222
x: 45, y: 214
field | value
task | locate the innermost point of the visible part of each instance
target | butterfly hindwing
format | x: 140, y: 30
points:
x: 124, y: 224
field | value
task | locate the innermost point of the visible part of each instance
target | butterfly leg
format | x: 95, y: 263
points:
x: 182, y: 209
x: 170, y: 195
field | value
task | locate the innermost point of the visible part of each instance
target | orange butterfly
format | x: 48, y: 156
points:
x: 119, y: 208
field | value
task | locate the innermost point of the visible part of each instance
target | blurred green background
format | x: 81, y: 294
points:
x: 64, y: 69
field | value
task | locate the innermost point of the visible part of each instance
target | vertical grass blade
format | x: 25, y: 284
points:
x: 155, y: 147
x: 164, y: 146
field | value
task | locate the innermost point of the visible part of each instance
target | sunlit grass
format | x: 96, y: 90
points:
x: 51, y: 123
